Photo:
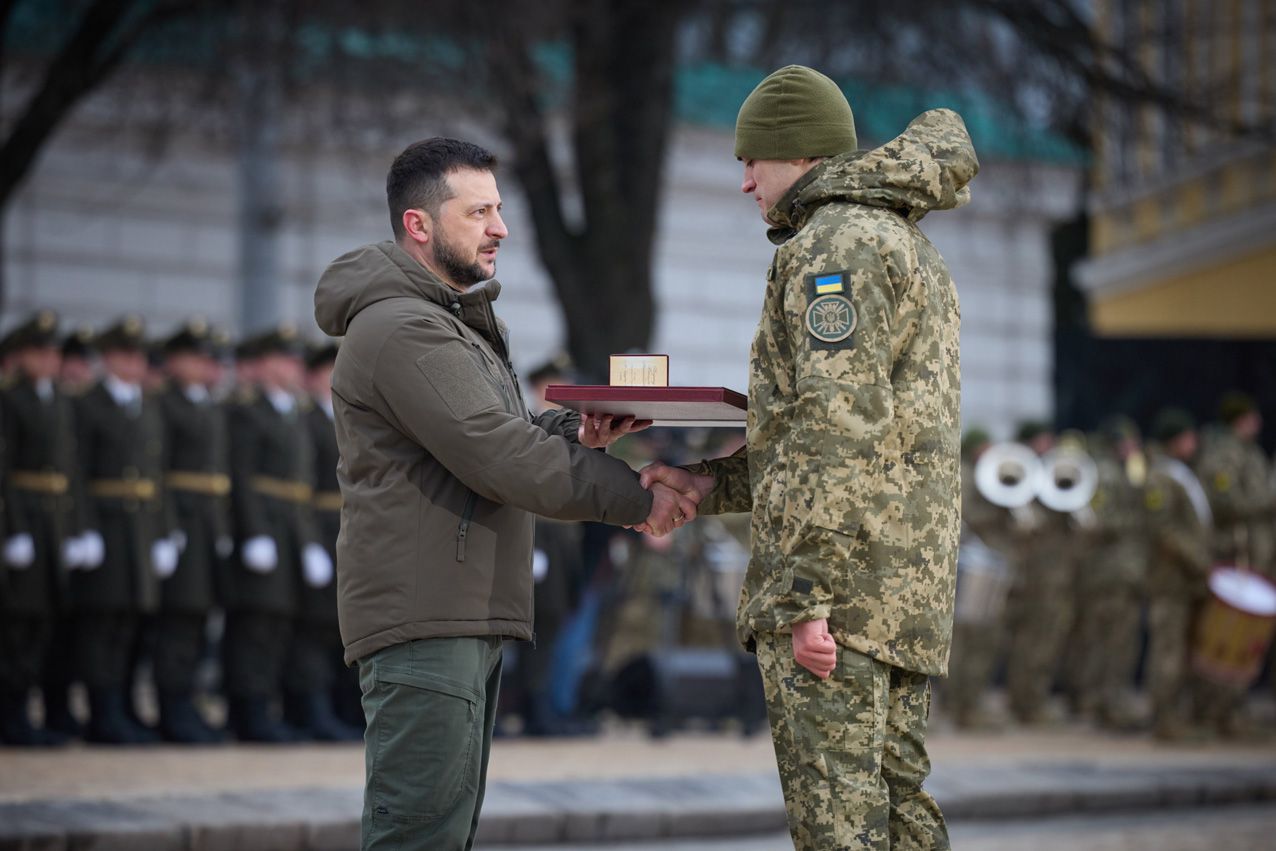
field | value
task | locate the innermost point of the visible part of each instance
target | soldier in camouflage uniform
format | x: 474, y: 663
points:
x: 1110, y: 587
x: 1040, y: 608
x: 1181, y: 523
x: 38, y: 518
x: 1235, y: 473
x: 851, y: 469
x: 976, y: 646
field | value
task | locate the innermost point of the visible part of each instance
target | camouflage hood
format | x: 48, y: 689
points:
x: 927, y: 167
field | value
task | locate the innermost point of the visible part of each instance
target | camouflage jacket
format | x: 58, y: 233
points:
x: 1120, y: 555
x: 1236, y: 476
x: 1179, y: 561
x: 851, y: 468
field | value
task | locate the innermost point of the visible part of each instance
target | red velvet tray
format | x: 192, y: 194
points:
x: 666, y: 406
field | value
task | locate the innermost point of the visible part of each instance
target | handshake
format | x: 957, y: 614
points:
x: 675, y: 495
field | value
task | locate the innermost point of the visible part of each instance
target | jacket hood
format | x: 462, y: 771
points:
x: 927, y: 167
x: 377, y: 272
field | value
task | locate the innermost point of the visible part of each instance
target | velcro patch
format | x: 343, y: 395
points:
x: 830, y: 315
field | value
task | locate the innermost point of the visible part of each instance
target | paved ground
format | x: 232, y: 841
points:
x: 1236, y: 827
x: 619, y: 787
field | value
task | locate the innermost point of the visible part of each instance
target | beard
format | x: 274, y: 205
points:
x: 463, y: 271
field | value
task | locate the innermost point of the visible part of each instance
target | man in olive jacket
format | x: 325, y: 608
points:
x: 441, y: 471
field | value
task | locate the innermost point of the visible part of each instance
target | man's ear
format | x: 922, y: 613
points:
x: 418, y: 226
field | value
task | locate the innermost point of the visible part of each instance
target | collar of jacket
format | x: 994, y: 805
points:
x: 473, y: 307
x: 789, y: 213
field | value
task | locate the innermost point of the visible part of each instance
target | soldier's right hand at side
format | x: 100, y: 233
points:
x: 814, y: 648
x: 260, y: 554
x: 92, y: 550
x: 19, y: 550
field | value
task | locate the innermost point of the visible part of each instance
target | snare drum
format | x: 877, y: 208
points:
x: 1235, y: 629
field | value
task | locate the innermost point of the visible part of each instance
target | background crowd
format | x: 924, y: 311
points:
x: 170, y: 514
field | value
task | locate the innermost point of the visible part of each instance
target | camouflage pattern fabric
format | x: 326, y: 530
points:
x: 1110, y: 589
x: 1177, y: 572
x: 852, y: 456
x: 1236, y: 475
x: 851, y: 752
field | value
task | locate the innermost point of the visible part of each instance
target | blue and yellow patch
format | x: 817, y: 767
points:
x: 830, y: 313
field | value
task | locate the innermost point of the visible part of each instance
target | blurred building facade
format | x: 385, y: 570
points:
x: 104, y: 226
x: 1183, y: 212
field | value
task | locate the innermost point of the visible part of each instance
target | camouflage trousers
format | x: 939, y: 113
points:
x: 851, y: 751
x: 970, y: 669
x: 1169, y: 633
x: 1107, y: 652
x: 1038, y: 634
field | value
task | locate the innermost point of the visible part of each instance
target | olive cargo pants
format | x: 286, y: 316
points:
x: 851, y: 751
x: 430, y: 706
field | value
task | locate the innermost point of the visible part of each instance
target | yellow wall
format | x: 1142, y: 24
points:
x: 1233, y: 299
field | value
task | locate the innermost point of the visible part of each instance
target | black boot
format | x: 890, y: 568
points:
x: 181, y: 722
x: 57, y: 713
x: 109, y: 723
x: 15, y: 722
x: 251, y: 721
x: 312, y: 713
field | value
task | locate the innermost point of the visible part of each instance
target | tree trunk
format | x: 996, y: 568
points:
x: 622, y: 99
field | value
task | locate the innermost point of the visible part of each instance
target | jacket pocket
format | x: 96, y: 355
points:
x: 463, y: 528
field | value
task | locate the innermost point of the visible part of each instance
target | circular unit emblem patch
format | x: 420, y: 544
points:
x: 831, y: 318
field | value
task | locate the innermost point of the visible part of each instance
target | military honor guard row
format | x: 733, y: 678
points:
x: 156, y: 516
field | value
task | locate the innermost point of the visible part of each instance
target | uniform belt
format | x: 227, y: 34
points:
x: 282, y: 489
x: 327, y: 501
x: 123, y: 488
x: 208, y: 484
x: 29, y: 480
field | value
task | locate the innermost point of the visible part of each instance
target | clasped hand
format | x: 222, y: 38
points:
x: 675, y: 495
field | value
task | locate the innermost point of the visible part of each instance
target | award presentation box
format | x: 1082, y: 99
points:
x: 665, y: 406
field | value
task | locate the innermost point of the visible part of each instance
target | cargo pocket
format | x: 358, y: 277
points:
x: 426, y: 736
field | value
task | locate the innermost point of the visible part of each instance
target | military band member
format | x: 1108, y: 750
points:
x: 38, y: 521
x: 271, y: 472
x: 1181, y: 526
x: 197, y: 487
x: 128, y: 544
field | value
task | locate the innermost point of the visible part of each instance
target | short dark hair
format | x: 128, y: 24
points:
x: 418, y: 176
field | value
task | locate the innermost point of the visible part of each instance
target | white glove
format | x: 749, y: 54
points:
x: 316, y: 565
x: 178, y: 537
x: 19, y: 550
x: 92, y: 550
x: 224, y: 545
x: 164, y: 557
x: 72, y: 553
x: 540, y: 565
x: 260, y: 554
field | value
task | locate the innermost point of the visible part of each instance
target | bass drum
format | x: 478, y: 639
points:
x: 1235, y: 628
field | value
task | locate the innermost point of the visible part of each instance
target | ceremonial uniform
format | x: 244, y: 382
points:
x: 120, y: 442
x: 37, y: 521
x: 851, y: 471
x: 271, y: 461
x: 197, y: 487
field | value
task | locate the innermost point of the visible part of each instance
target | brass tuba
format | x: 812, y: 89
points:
x: 1068, y: 483
x: 1008, y: 475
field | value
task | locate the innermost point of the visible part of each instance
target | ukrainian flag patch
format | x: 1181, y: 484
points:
x: 829, y: 284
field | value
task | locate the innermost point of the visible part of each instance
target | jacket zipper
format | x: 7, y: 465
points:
x: 464, y: 528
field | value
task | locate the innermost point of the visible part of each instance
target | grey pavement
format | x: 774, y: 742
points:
x: 626, y: 809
